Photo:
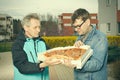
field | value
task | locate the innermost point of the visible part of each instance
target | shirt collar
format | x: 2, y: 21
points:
x: 90, y: 35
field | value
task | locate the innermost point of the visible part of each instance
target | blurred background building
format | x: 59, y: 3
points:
x: 6, y: 27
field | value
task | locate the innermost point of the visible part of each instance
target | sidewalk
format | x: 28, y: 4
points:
x: 6, y: 67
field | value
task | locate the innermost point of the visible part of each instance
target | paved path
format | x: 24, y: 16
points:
x: 6, y: 67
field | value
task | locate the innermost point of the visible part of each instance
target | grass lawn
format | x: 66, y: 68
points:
x: 5, y: 46
x: 113, y: 54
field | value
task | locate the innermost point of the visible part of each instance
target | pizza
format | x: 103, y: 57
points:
x: 69, y: 52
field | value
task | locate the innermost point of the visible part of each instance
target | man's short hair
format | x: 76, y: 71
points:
x: 27, y: 18
x: 84, y: 14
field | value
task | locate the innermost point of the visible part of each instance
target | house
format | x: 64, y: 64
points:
x: 118, y: 21
x: 6, y: 27
x: 109, y: 17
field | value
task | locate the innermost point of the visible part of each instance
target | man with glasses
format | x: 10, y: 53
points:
x: 96, y: 67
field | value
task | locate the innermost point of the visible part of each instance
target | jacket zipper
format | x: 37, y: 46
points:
x: 37, y: 56
x: 35, y: 49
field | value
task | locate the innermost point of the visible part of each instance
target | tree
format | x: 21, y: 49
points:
x: 49, y: 27
x: 16, y: 27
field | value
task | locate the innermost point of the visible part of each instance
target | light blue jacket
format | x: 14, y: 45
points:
x: 24, y: 54
x: 96, y: 67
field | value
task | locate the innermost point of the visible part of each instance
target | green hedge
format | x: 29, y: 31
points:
x: 69, y: 40
x: 5, y: 46
x: 114, y: 40
x: 58, y: 41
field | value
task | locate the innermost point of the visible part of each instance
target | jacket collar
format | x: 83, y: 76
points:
x: 90, y: 35
x: 21, y: 36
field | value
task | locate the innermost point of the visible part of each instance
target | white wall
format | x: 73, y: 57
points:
x: 107, y: 15
x: 118, y: 4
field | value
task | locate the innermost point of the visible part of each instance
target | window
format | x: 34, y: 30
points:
x: 108, y: 27
x: 66, y: 17
x: 119, y: 27
x: 108, y: 3
x: 67, y: 24
x: 2, y: 18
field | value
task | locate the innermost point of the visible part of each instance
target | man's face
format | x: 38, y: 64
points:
x: 34, y: 29
x: 80, y: 26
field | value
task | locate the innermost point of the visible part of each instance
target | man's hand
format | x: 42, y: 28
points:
x: 78, y: 43
x: 50, y: 61
x: 68, y: 63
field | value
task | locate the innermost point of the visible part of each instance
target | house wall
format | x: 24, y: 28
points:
x: 118, y: 16
x: 6, y: 26
x: 107, y: 16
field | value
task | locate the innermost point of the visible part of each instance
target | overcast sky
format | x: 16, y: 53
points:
x: 19, y: 8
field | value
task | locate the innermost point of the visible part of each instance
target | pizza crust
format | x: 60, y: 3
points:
x: 69, y: 52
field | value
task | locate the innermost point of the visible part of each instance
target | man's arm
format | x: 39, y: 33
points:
x: 20, y: 60
x: 98, y: 59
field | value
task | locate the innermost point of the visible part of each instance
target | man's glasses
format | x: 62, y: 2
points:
x: 78, y: 26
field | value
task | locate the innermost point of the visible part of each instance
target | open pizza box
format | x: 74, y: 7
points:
x: 78, y: 56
